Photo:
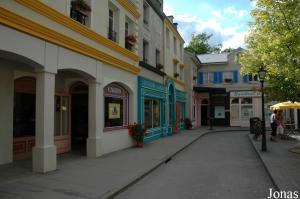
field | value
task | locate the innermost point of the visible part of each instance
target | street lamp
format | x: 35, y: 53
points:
x: 261, y: 75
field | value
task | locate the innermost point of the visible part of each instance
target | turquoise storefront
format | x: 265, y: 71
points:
x: 157, y: 108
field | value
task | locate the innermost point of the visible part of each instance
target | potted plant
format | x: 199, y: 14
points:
x: 131, y: 38
x: 188, y: 123
x: 194, y: 77
x: 159, y: 66
x: 80, y: 5
x: 137, y: 132
x: 176, y: 75
x: 228, y: 80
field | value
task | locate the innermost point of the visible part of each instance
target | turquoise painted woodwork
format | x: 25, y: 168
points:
x: 148, y: 89
x: 171, y: 105
x: 168, y: 95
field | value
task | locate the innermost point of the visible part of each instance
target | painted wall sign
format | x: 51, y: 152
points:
x: 245, y: 94
x: 114, y: 111
x: 220, y: 112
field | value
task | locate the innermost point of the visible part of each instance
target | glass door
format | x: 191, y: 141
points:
x: 62, y: 123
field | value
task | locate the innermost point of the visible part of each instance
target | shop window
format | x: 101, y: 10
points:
x: 24, y: 107
x: 246, y: 100
x: 235, y: 101
x: 115, y: 106
x: 152, y: 113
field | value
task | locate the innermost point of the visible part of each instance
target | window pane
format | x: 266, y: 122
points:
x: 246, y: 100
x: 148, y: 113
x: 24, y: 115
x: 65, y: 115
x: 156, y: 113
x: 235, y: 101
x: 114, y: 112
x: 246, y: 112
x: 57, y: 116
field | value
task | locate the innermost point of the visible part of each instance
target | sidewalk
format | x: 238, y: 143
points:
x: 95, y: 178
x: 283, y: 166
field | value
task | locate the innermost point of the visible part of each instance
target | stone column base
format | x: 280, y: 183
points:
x: 44, y: 159
x: 93, y: 147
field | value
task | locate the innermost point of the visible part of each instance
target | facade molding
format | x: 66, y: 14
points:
x: 27, y: 26
x: 173, y: 29
x: 130, y: 8
x: 176, y: 80
x: 62, y: 19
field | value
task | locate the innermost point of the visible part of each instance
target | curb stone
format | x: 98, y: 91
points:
x: 166, y: 160
x: 264, y: 164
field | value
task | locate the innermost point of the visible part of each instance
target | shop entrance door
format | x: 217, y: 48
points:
x: 79, y: 115
x: 62, y: 123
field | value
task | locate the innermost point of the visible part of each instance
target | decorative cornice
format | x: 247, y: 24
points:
x: 130, y: 8
x: 62, y: 19
x: 27, y: 26
x: 173, y: 29
x: 176, y: 80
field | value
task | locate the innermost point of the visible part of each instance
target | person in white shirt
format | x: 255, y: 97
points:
x: 273, y: 125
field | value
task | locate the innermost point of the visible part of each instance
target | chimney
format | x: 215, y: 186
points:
x: 171, y: 18
x: 175, y: 25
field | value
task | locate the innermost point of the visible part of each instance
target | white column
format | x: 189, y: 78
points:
x: 96, y: 115
x: 44, y: 152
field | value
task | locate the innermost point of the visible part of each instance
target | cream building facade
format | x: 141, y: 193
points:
x: 53, y: 66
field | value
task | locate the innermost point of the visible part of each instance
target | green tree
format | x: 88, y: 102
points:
x: 199, y: 44
x: 274, y: 42
x: 227, y: 50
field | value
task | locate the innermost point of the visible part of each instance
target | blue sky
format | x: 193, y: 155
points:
x: 227, y: 20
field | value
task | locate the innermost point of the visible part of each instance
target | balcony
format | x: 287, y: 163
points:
x: 112, y: 35
x: 79, y: 16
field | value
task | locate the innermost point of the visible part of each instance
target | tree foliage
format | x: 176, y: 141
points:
x: 274, y: 42
x: 199, y: 44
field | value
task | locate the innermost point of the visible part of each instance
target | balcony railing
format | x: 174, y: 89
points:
x: 78, y: 16
x: 112, y: 35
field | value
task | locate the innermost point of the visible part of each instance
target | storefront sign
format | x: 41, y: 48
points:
x: 245, y: 94
x: 114, y: 111
x: 220, y: 112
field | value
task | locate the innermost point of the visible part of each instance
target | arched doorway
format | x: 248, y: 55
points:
x: 79, y: 116
x: 204, y: 112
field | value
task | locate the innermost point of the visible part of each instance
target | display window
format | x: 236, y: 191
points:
x: 152, y: 113
x: 115, y: 106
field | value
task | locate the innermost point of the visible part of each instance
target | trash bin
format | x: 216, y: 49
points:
x: 253, y: 121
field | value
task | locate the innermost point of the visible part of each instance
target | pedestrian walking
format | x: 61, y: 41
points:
x: 273, y: 125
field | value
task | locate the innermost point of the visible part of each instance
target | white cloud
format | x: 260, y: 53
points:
x: 238, y: 13
x: 216, y: 13
x: 168, y: 9
x: 229, y: 36
x: 236, y: 40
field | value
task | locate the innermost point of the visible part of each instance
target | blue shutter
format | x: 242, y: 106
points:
x: 245, y: 78
x: 200, y: 78
x: 216, y: 78
x: 220, y: 77
x: 235, y: 76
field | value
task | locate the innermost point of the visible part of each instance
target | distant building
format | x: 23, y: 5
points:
x: 229, y: 98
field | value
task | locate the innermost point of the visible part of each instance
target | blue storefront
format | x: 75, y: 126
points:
x: 157, y: 108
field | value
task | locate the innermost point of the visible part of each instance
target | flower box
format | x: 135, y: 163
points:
x: 176, y: 75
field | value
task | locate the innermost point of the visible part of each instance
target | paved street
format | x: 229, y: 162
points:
x: 219, y: 165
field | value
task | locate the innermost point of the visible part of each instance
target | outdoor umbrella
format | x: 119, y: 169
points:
x: 286, y: 105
